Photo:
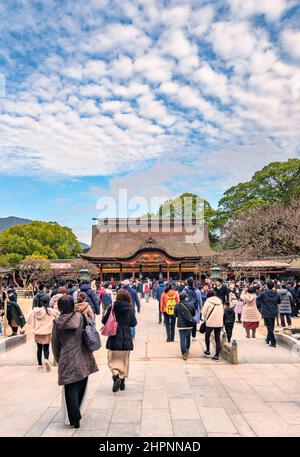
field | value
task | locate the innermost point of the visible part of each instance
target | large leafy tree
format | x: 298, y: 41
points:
x: 276, y: 182
x: 195, y: 207
x: 48, y: 240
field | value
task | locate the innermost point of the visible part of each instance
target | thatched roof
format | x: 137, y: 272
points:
x: 124, y: 244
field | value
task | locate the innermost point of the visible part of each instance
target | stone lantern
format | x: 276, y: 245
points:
x: 84, y: 274
x: 215, y: 273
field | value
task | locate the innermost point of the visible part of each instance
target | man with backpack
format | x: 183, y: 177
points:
x: 184, y: 313
x: 158, y: 293
x: 169, y: 300
x: 195, y: 300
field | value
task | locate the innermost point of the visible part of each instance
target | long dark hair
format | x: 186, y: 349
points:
x: 44, y: 302
x: 169, y: 286
x: 123, y: 295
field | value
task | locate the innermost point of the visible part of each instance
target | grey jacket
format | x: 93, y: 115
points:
x: 286, y: 301
x: 75, y: 360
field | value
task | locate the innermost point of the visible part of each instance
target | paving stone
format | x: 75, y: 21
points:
x: 250, y: 403
x: 156, y: 422
x: 127, y: 416
x: 183, y: 409
x: 124, y: 430
x: 289, y: 411
x: 56, y: 429
x: 188, y: 428
x: 216, y: 420
x: 96, y: 420
x: 42, y: 423
x: 267, y: 424
x: 154, y: 400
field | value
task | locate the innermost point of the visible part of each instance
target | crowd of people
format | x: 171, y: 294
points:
x: 60, y: 314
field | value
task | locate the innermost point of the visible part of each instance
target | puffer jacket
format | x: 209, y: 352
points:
x: 216, y: 317
x: 250, y: 312
x: 75, y: 360
x: 86, y: 309
x: 125, y: 316
x: 268, y: 302
x: 286, y: 301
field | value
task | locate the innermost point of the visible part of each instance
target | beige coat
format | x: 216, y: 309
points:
x: 250, y: 312
x: 216, y: 317
x: 40, y: 320
x: 86, y: 309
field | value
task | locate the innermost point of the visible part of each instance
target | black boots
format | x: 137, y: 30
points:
x: 117, y: 383
x: 122, y: 386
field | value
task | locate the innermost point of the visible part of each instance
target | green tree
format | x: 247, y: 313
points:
x: 47, y: 240
x: 276, y: 182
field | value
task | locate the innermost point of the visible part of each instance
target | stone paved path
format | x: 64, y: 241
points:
x: 164, y: 396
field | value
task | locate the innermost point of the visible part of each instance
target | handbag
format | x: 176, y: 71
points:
x: 90, y: 335
x: 202, y: 328
x: 111, y: 326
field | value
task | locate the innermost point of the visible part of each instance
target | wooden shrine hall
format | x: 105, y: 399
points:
x: 150, y: 250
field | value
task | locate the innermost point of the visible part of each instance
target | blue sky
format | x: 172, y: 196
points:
x: 156, y: 97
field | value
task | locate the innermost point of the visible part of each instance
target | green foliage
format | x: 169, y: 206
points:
x: 46, y: 240
x: 276, y: 182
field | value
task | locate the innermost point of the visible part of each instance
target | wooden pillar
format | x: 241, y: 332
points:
x: 101, y: 273
x: 121, y: 272
x: 133, y: 271
x: 168, y: 273
x: 180, y: 275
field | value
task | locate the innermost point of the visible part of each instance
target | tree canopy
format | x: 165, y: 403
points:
x: 276, y: 182
x: 47, y: 240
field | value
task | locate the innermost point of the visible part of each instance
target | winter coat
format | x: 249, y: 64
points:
x: 194, y: 297
x: 125, y: 316
x: 268, y: 302
x: 134, y: 296
x: 184, y: 312
x: 41, y: 320
x: 233, y: 299
x: 164, y: 298
x: 216, y: 317
x: 91, y: 298
x: 223, y: 293
x: 159, y: 291
x: 86, y: 309
x: 229, y: 315
x: 37, y: 299
x: 54, y: 301
x: 298, y: 296
x: 286, y: 301
x: 75, y: 360
x: 14, y: 313
x: 250, y: 312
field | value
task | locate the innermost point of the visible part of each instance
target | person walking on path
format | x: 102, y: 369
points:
x: 91, y: 297
x: 83, y: 307
x: 195, y: 299
x: 228, y: 320
x: 41, y: 319
x: 147, y: 291
x: 75, y: 360
x: 14, y: 316
x: 159, y: 291
x: 268, y: 301
x: 221, y: 290
x: 120, y: 345
x: 285, y: 307
x: 250, y: 314
x: 54, y: 300
x: 134, y: 300
x: 213, y: 313
x: 184, y: 312
x: 169, y: 300
x: 105, y: 297
x: 41, y: 294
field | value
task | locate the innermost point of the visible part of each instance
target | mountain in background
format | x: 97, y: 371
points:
x: 7, y: 222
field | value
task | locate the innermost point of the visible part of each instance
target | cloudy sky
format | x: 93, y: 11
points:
x: 156, y: 97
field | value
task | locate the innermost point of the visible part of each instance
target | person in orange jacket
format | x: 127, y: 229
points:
x: 168, y: 301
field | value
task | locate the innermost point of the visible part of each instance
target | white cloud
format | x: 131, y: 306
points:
x: 291, y: 43
x: 272, y: 9
x: 233, y: 40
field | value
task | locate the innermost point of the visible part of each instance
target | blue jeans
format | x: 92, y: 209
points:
x: 185, y: 339
x: 132, y: 329
x: 0, y: 326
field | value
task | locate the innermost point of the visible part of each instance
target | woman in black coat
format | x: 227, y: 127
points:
x: 120, y: 345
